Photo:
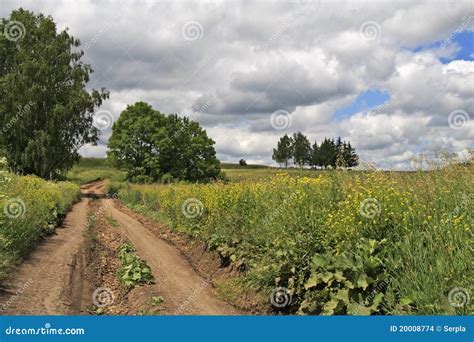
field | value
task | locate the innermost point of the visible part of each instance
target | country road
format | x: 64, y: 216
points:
x: 56, y: 279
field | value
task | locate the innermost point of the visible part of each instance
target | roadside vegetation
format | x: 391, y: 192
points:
x: 338, y: 243
x: 31, y: 209
x: 133, y: 270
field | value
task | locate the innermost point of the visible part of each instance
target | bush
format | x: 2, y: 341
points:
x: 30, y: 209
x: 133, y: 270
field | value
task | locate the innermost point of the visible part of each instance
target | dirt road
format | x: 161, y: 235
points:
x: 52, y: 282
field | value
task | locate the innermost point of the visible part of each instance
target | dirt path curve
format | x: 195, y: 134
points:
x: 181, y: 287
x: 49, y: 281
x: 177, y: 282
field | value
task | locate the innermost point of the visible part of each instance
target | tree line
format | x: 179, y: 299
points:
x: 298, y: 149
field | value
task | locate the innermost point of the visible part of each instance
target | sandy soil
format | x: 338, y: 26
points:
x: 59, y: 277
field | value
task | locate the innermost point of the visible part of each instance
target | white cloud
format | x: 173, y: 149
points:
x: 257, y: 57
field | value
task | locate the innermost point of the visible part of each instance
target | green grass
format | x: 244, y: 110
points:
x: 252, y: 174
x: 247, y: 167
x: 92, y: 169
x: 303, y: 230
x: 316, y: 237
x: 31, y: 208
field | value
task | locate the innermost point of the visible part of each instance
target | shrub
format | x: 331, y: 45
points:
x: 30, y: 209
x: 133, y: 270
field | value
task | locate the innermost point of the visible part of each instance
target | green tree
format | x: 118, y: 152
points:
x: 242, y: 162
x: 284, y: 151
x: 45, y: 110
x: 351, y: 158
x: 301, y: 149
x: 315, y: 155
x: 327, y: 152
x: 151, y: 146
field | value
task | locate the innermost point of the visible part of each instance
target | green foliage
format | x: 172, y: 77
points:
x: 35, y: 207
x: 45, y: 110
x: 133, y: 270
x: 114, y: 187
x: 301, y: 149
x: 157, y: 300
x: 342, y: 242
x: 335, y: 154
x: 284, y: 151
x: 239, y: 175
x: 347, y: 282
x: 327, y: 153
x: 148, y: 145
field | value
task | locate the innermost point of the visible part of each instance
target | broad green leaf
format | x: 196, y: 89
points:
x: 311, y: 282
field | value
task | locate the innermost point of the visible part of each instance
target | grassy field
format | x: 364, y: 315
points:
x: 335, y: 242
x: 92, y: 169
x: 250, y: 174
x: 326, y: 242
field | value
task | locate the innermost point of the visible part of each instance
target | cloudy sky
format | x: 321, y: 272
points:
x: 394, y: 78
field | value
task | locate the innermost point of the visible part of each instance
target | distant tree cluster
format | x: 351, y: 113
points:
x: 152, y: 146
x: 298, y: 149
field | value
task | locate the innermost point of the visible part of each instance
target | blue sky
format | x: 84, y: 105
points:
x: 363, y: 103
x: 464, y: 42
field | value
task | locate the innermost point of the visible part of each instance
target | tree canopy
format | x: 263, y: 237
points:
x: 284, y: 151
x: 336, y: 154
x: 153, y: 146
x: 301, y: 149
x: 45, y: 110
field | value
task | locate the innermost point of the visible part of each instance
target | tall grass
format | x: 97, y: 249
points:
x: 30, y: 208
x: 339, y: 243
